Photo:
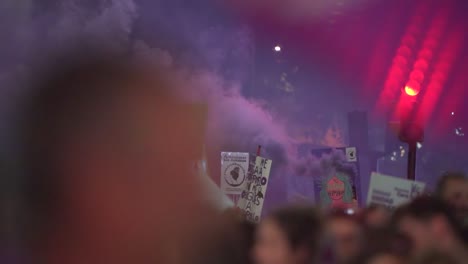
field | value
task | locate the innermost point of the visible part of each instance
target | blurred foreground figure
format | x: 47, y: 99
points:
x: 453, y: 189
x: 289, y: 235
x: 436, y: 257
x: 382, y: 258
x: 375, y: 217
x: 432, y: 226
x: 347, y: 235
x: 384, y: 246
x: 107, y: 156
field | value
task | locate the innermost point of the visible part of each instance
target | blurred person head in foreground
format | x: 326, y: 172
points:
x: 346, y: 233
x: 375, y: 216
x: 384, y: 245
x: 232, y: 241
x: 431, y: 225
x: 452, y: 187
x: 435, y: 257
x: 380, y: 257
x: 107, y: 148
x: 289, y: 235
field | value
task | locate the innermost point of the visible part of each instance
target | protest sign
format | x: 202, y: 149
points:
x: 336, y: 176
x: 391, y: 191
x: 234, y: 169
x: 252, y: 197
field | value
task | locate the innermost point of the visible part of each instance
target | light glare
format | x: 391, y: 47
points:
x: 411, y: 91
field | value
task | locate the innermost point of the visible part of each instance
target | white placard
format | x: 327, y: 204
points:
x: 391, y: 191
x: 251, y: 200
x: 234, y: 169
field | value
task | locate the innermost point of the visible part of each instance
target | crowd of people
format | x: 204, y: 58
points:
x: 429, y: 230
x: 103, y: 177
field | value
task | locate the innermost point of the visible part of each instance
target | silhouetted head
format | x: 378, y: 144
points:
x: 289, y: 235
x: 430, y: 223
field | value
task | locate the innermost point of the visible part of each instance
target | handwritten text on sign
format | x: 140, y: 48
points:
x: 251, y: 200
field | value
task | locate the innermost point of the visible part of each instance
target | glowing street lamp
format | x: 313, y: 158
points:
x: 412, y: 90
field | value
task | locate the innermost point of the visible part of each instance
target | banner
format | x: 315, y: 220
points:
x: 234, y: 169
x: 391, y: 191
x: 251, y: 200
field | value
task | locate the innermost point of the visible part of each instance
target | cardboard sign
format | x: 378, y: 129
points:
x: 234, y: 169
x: 391, y: 191
x: 251, y: 200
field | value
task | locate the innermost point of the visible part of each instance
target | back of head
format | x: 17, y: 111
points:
x: 435, y: 257
x: 425, y: 209
x: 302, y: 227
x: 445, y: 179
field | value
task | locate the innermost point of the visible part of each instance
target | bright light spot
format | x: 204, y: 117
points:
x: 402, y: 153
x: 453, y: 113
x: 277, y: 48
x: 392, y: 158
x: 410, y: 91
x: 350, y: 211
x: 394, y: 153
x: 459, y: 132
x: 418, y: 145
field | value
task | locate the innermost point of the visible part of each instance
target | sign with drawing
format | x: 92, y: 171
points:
x: 351, y: 155
x: 252, y: 197
x: 234, y: 169
x: 336, y: 177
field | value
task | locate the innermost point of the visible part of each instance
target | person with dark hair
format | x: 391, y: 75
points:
x: 384, y: 245
x: 452, y: 187
x: 380, y: 257
x: 106, y: 162
x: 431, y: 224
x: 290, y: 235
x: 230, y: 240
x: 347, y: 234
x: 436, y: 257
x: 375, y: 216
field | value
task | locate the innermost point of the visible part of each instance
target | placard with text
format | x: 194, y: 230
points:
x: 392, y: 191
x: 252, y: 197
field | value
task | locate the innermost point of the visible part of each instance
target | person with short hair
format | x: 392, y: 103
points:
x: 347, y: 234
x: 375, y: 216
x: 289, y: 235
x: 431, y: 224
x: 452, y: 187
x: 435, y: 257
